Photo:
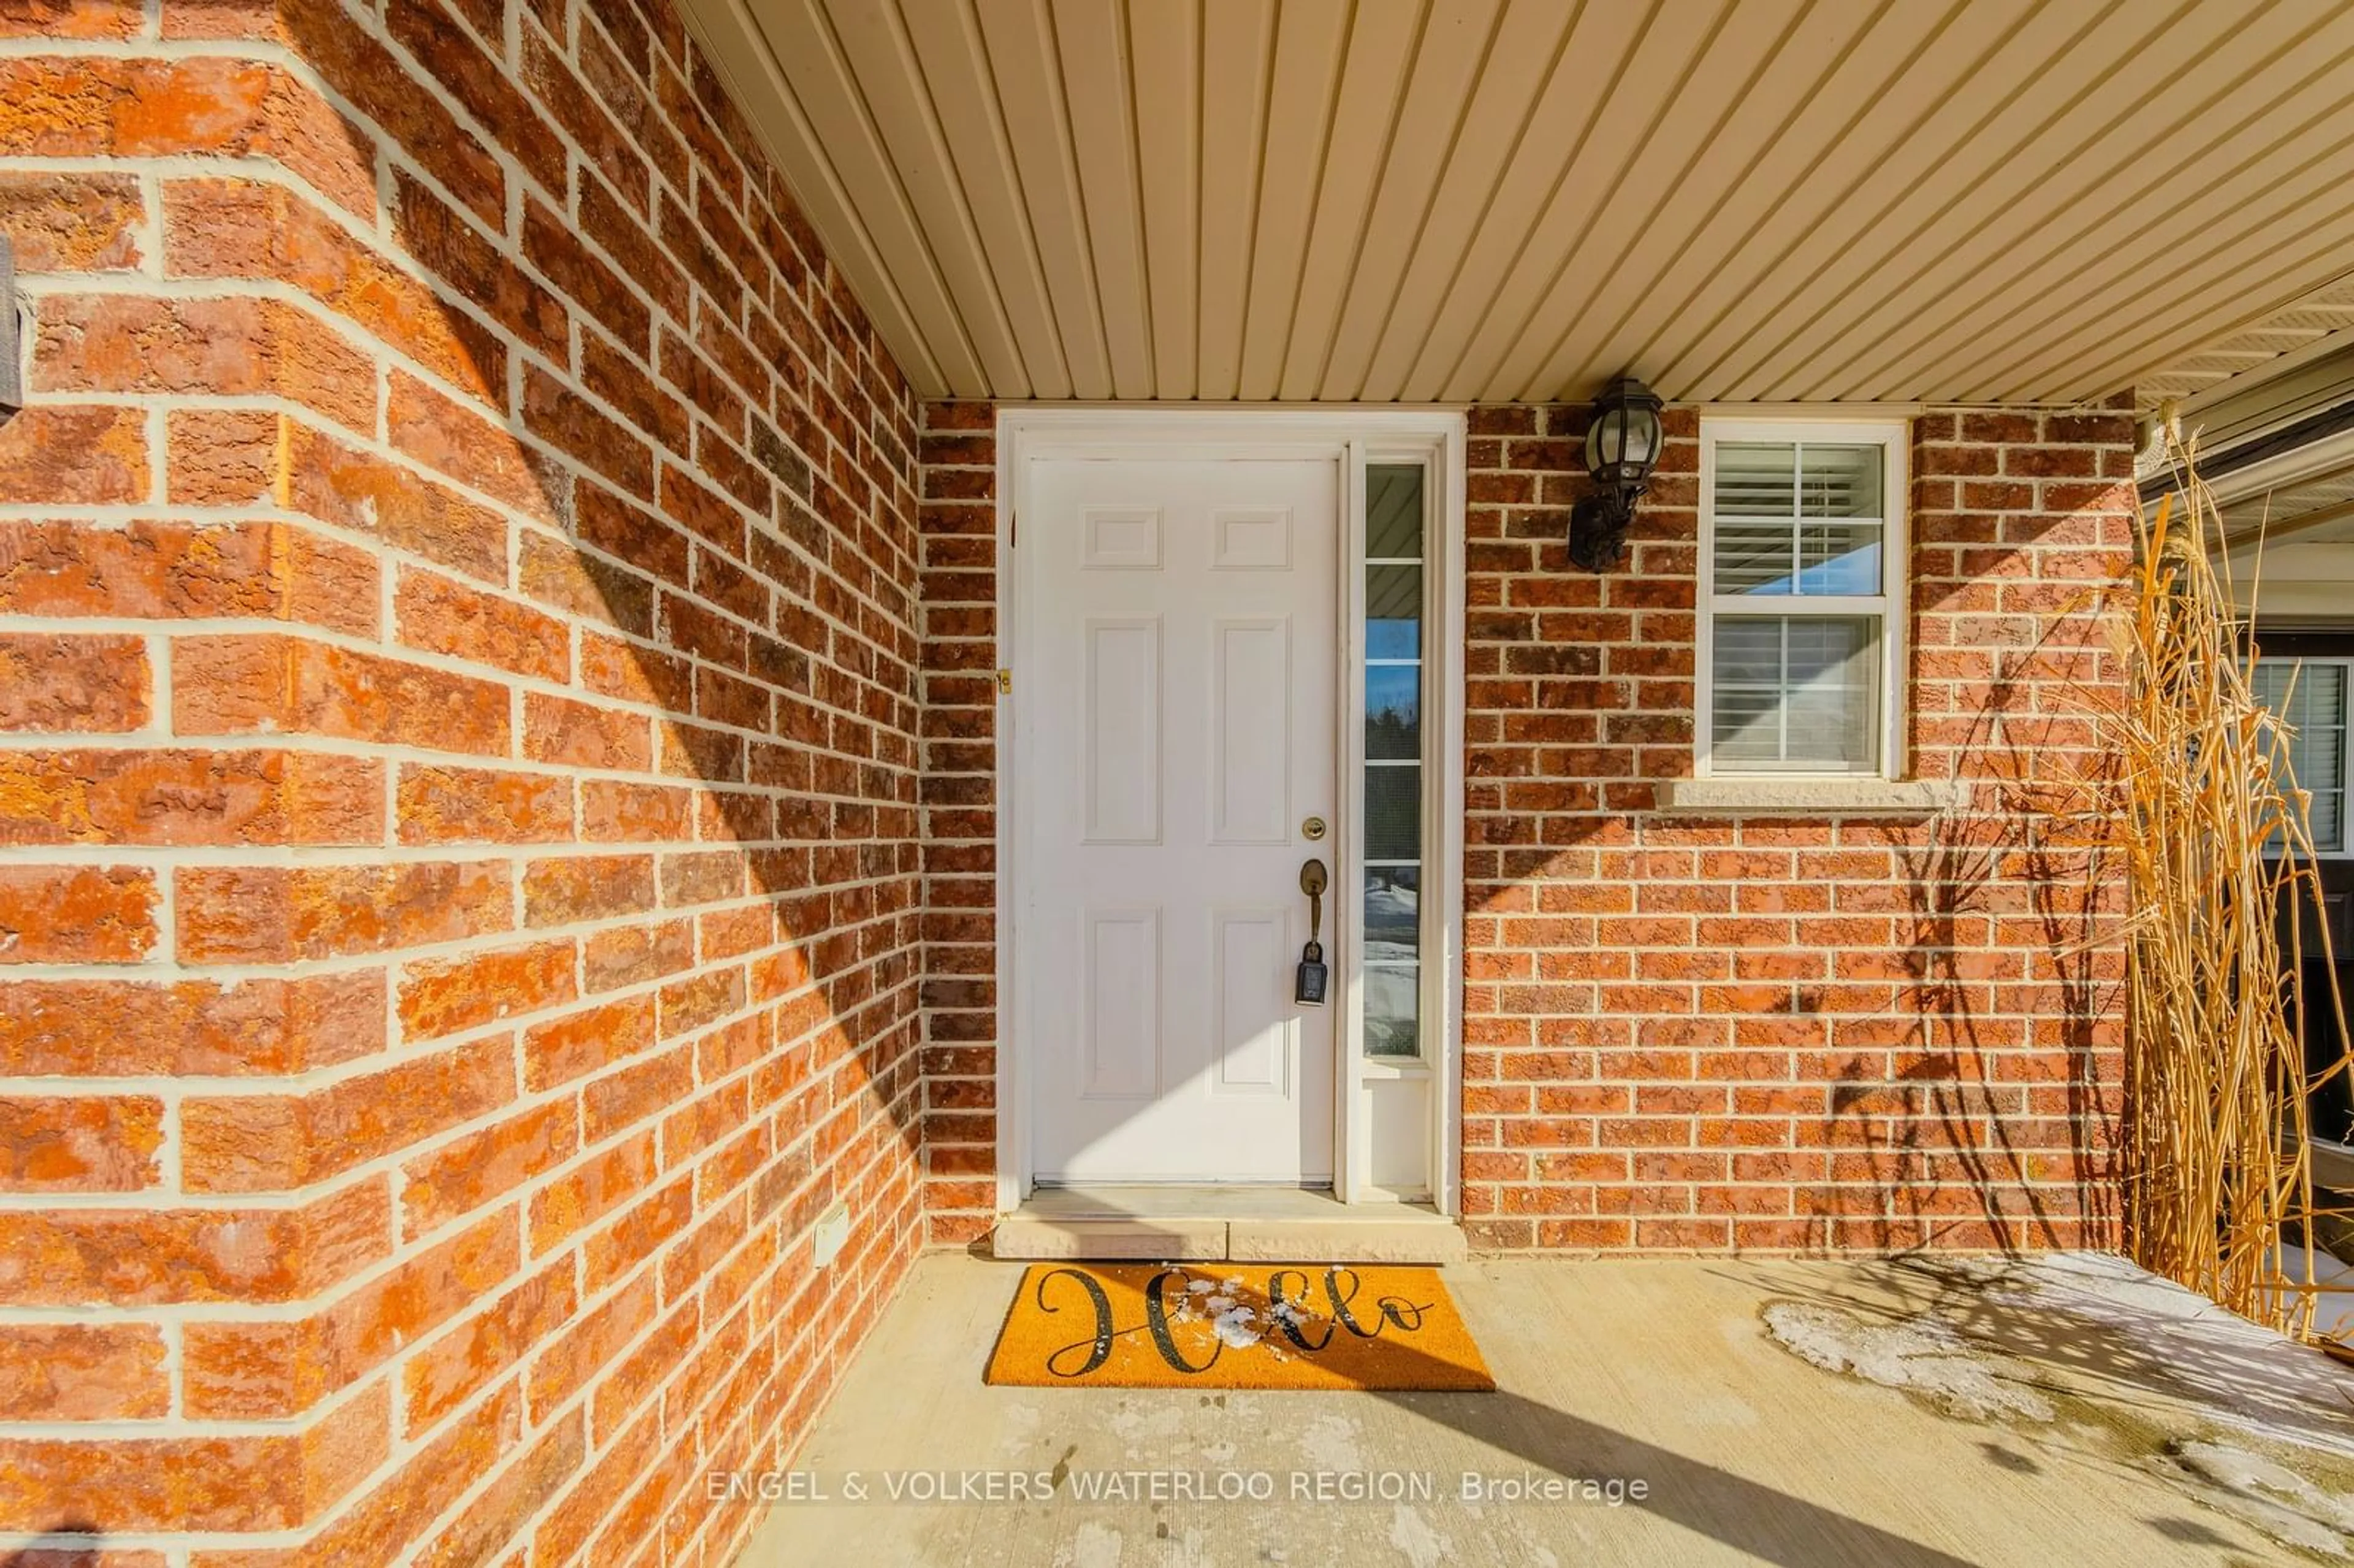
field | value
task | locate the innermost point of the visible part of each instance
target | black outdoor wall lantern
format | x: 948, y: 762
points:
x: 1622, y: 447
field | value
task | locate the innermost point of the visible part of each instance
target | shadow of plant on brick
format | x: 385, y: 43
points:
x: 1768, y: 1030
x: 2039, y: 863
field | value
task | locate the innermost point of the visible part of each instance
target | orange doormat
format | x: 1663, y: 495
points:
x: 1225, y: 1325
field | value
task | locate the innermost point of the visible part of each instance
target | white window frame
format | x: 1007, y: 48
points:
x: 2303, y: 662
x: 1893, y: 604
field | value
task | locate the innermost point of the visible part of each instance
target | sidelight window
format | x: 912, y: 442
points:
x: 1394, y: 629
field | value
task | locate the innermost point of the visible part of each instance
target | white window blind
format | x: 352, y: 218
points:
x: 2309, y: 696
x: 1801, y: 529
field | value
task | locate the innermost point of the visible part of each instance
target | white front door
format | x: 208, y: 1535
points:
x: 1179, y: 712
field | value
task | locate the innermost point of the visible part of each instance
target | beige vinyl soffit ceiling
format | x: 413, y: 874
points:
x: 1447, y: 200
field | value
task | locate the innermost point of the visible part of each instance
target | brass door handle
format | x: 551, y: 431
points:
x: 1308, y: 987
x: 1313, y: 880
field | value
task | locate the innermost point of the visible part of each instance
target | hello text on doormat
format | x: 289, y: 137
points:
x: 1259, y: 1326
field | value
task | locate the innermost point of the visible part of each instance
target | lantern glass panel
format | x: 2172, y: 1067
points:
x: 1642, y: 439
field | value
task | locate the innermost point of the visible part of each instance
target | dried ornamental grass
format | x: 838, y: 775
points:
x: 2217, y: 1182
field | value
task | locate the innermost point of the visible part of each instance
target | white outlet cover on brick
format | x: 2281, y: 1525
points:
x: 833, y: 1230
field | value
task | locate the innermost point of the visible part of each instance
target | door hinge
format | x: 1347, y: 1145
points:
x: 1013, y: 529
x: 1005, y: 683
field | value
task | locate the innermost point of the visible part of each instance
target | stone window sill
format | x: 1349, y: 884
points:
x: 1812, y: 797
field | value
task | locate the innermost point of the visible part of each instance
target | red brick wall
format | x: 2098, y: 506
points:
x: 1686, y: 1033
x: 958, y: 453
x: 459, y: 909
x: 1770, y: 1033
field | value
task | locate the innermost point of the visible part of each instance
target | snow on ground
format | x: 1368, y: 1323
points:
x: 1921, y: 1356
x: 1330, y: 1443
x: 2333, y: 1305
x: 2148, y: 1333
x: 1421, y: 1546
x: 2272, y: 1498
x: 2081, y: 1347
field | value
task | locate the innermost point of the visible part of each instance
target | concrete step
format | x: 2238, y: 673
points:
x: 1213, y: 1223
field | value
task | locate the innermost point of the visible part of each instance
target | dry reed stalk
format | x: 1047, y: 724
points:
x: 2217, y: 1182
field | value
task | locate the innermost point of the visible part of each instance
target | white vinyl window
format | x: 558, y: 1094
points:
x: 2309, y: 695
x: 1802, y: 597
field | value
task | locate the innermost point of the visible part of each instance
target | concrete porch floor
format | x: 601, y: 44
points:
x: 1892, y: 1413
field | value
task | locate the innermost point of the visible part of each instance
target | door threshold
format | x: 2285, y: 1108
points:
x: 1222, y: 1224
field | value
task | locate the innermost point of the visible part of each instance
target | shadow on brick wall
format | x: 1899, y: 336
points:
x: 569, y: 534
x: 73, y: 1543
x: 1939, y: 1040
x: 2035, y: 856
